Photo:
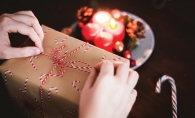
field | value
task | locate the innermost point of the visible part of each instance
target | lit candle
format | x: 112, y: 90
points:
x: 101, y: 18
x: 116, y: 13
x: 117, y: 29
x: 89, y: 31
x: 104, y: 40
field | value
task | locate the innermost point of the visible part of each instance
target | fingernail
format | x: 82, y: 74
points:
x: 36, y: 51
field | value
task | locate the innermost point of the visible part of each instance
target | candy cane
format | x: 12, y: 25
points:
x: 73, y: 84
x: 25, y: 84
x: 174, y: 92
x: 49, y: 92
x: 87, y: 48
x: 59, y: 42
x: 54, y: 115
x: 38, y: 105
x: 32, y: 63
x: 112, y: 60
x: 71, y: 112
x: 15, y: 96
x: 116, y: 59
x: 103, y: 57
x: 47, y: 30
x: 5, y: 75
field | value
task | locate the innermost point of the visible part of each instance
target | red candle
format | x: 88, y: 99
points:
x: 116, y: 13
x: 89, y: 31
x: 104, y: 40
x: 117, y: 29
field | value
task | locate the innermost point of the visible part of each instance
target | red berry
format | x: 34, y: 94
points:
x: 132, y: 63
x: 80, y: 24
x: 127, y: 54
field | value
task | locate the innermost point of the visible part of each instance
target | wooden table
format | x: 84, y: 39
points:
x: 174, y: 51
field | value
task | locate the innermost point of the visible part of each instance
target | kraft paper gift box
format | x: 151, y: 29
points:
x: 49, y: 84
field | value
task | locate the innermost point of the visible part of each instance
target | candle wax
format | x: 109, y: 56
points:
x: 89, y: 31
x: 104, y: 40
x: 117, y: 30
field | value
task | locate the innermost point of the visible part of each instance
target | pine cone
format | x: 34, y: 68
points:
x: 125, y: 19
x: 135, y: 30
x: 84, y: 14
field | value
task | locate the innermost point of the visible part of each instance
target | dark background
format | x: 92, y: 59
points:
x: 174, y: 51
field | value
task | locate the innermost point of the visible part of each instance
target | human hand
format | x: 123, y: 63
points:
x: 23, y: 22
x: 108, y: 92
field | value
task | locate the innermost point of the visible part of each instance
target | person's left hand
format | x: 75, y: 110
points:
x: 23, y: 22
x: 108, y: 91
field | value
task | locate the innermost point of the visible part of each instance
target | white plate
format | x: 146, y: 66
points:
x: 146, y: 46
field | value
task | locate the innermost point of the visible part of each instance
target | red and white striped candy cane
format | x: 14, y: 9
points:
x: 5, y: 75
x: 103, y: 57
x: 38, y: 105
x: 59, y: 42
x: 71, y: 112
x: 49, y: 92
x: 47, y: 30
x: 174, y: 92
x: 15, y: 96
x: 25, y: 85
x: 54, y: 115
x: 85, y: 50
x: 32, y: 63
x: 112, y: 60
x: 73, y: 84
x: 116, y: 59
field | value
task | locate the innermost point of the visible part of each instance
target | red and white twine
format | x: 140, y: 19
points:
x: 5, y: 75
x: 59, y: 62
x: 73, y: 84
x: 25, y: 86
x: 174, y: 92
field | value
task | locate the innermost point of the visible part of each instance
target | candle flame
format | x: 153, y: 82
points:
x: 102, y: 17
x: 113, y: 24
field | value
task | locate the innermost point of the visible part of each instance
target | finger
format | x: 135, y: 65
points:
x: 122, y: 71
x: 98, y: 66
x: 10, y: 52
x: 132, y: 79
x: 90, y: 79
x: 106, y: 67
x: 27, y: 17
x: 132, y: 99
x: 28, y: 12
x: 15, y: 26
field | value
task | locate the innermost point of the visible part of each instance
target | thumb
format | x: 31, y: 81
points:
x: 11, y: 52
x: 90, y: 79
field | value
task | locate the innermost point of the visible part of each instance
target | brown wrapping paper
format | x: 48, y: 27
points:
x: 25, y: 78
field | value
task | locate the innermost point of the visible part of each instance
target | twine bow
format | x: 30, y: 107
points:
x: 59, y: 61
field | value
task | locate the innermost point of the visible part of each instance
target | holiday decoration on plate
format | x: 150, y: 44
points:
x: 111, y: 30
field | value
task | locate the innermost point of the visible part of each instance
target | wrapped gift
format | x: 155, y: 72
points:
x: 49, y: 84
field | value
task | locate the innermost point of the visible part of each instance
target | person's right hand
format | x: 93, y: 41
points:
x: 109, y: 91
x: 23, y: 22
